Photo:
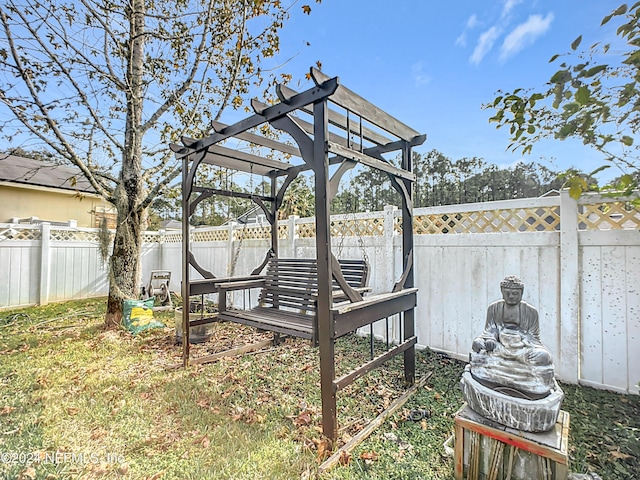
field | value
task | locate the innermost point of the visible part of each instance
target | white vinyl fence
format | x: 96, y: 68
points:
x: 580, y: 262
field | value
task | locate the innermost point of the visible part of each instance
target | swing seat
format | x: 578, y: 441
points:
x: 288, y: 296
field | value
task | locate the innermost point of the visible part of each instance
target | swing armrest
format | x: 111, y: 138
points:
x: 349, y: 316
x: 214, y: 285
x: 243, y: 284
x: 340, y: 296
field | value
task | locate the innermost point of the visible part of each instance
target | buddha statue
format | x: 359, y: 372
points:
x: 508, y: 356
x: 510, y: 375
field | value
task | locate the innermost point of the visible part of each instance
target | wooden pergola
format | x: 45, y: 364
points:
x: 334, y: 129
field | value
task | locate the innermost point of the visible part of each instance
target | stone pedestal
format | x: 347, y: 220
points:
x: 486, y: 450
x: 518, y: 413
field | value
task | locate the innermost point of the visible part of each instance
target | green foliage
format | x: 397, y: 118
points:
x: 442, y: 181
x: 595, y: 101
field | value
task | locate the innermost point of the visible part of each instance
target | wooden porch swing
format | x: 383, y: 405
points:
x: 320, y: 299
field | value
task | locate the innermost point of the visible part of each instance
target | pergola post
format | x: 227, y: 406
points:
x: 323, y: 252
x: 407, y: 254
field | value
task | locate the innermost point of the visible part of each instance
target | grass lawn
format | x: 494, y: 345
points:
x: 80, y: 402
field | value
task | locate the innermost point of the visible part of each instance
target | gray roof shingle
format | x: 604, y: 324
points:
x: 44, y: 174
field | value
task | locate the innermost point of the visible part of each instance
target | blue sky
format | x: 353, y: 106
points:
x: 432, y: 64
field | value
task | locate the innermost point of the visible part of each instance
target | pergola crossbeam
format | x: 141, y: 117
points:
x: 314, y: 94
x: 370, y: 161
x: 355, y: 103
x: 260, y: 140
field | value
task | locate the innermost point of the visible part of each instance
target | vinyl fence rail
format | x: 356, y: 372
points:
x: 579, y: 260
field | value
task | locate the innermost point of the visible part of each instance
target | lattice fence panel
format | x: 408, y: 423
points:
x: 73, y: 236
x: 21, y: 234
x: 221, y: 235
x: 148, y: 238
x: 608, y: 216
x: 253, y: 233
x: 306, y: 230
x: 283, y: 231
x: 536, y: 219
x: 172, y: 238
x: 360, y: 227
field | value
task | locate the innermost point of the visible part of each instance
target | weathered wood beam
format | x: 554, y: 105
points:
x: 334, y: 183
x: 259, y: 140
x: 353, y: 102
x: 370, y: 161
x: 356, y: 373
x: 248, y: 158
x: 231, y: 193
x: 307, y: 97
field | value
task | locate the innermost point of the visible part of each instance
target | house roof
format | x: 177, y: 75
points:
x: 28, y: 171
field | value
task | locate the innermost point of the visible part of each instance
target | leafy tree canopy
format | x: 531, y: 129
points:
x: 594, y: 96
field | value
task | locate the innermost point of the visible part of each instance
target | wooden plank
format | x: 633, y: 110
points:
x: 375, y: 423
x: 305, y: 98
x: 355, y: 103
x: 338, y: 120
x: 252, y: 160
x: 348, y: 317
x: 353, y: 375
x: 512, y: 439
x: 241, y: 350
x: 370, y: 161
x: 260, y: 140
x: 458, y: 453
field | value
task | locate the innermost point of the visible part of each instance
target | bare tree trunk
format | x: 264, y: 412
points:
x: 124, y: 272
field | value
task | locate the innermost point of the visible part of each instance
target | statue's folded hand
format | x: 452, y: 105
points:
x: 490, y: 345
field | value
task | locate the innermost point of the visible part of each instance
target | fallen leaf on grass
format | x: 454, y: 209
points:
x: 423, y: 424
x: 156, y: 476
x: 618, y: 455
x: 303, y: 419
x: 100, y: 469
x: 7, y: 410
x: 345, y: 458
x: 204, y: 441
x: 28, y: 472
x: 370, y: 456
x: 73, y: 410
x: 324, y: 448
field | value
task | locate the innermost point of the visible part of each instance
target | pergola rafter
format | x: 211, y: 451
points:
x: 360, y: 135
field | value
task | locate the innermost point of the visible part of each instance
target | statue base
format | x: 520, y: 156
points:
x: 487, y: 450
x: 519, y: 413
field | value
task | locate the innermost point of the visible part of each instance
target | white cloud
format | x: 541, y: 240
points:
x: 484, y: 45
x: 525, y: 34
x: 472, y: 21
x: 508, y: 6
x: 419, y: 76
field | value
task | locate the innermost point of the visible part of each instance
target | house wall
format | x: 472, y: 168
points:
x: 49, y: 204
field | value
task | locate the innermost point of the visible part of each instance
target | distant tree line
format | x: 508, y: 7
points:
x: 439, y: 181
x: 442, y: 181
